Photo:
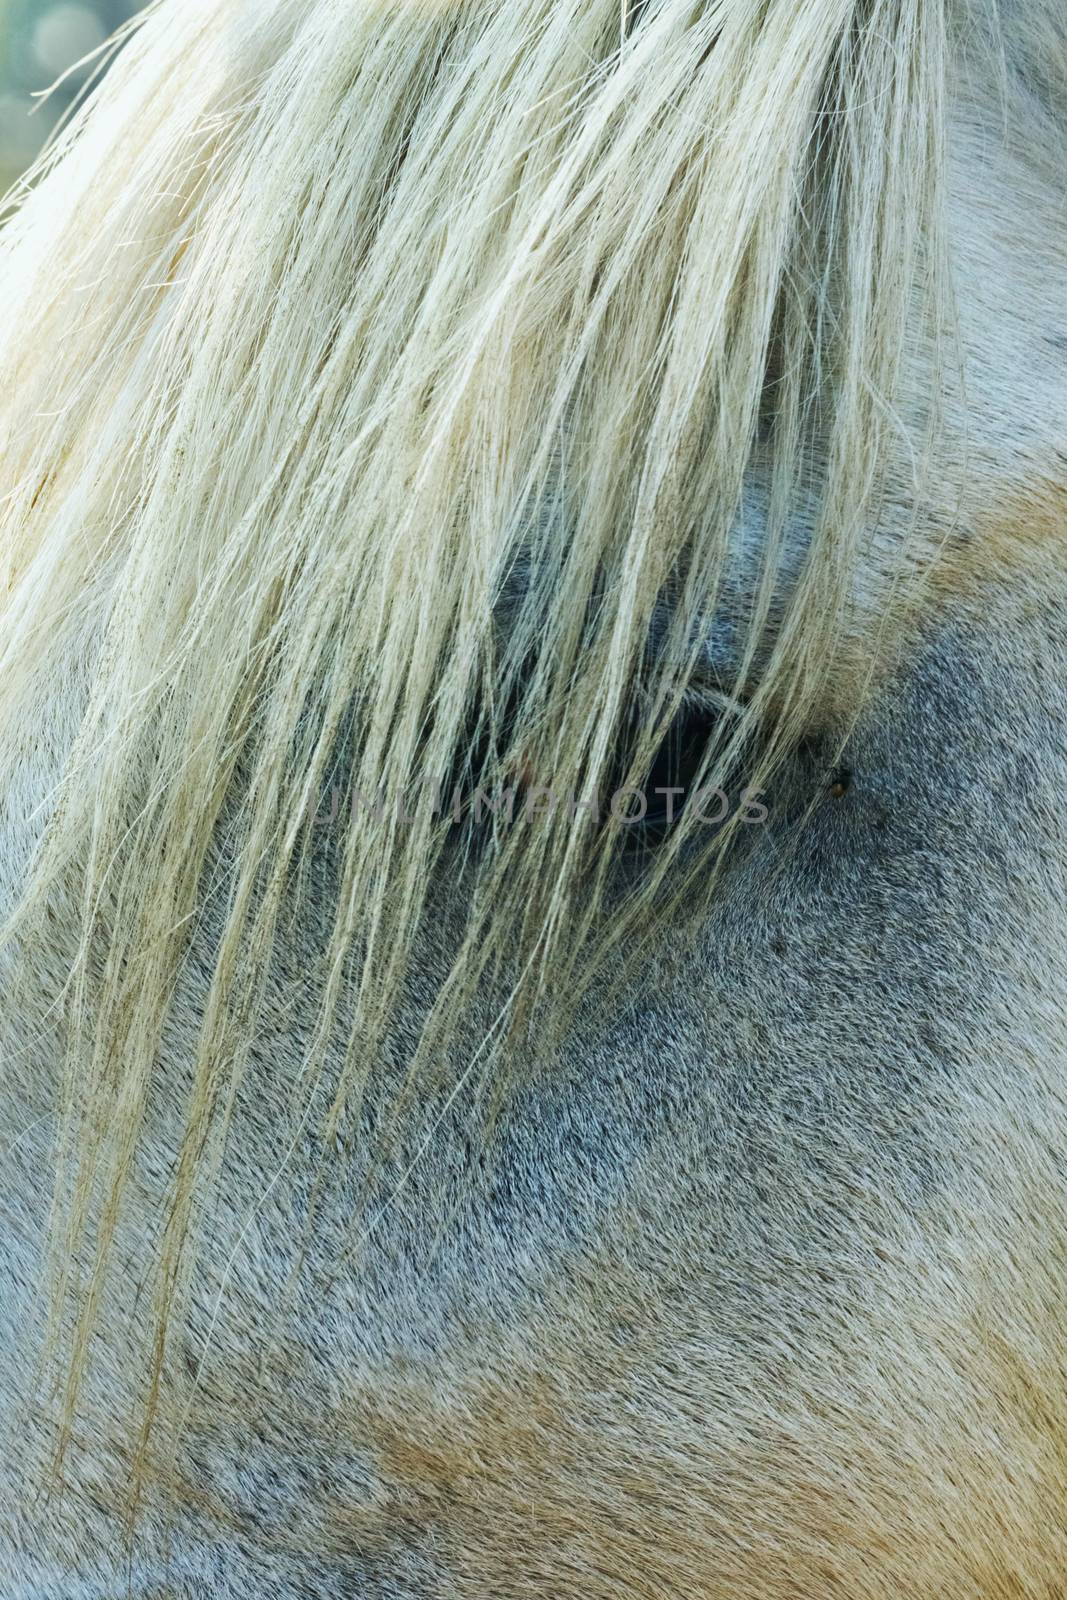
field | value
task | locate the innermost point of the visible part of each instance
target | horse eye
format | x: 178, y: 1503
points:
x: 672, y: 778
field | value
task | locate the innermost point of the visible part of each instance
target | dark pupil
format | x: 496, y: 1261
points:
x: 676, y: 766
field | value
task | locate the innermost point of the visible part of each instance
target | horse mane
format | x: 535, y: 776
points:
x: 378, y: 379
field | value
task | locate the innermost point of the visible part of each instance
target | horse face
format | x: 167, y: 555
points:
x: 754, y: 1287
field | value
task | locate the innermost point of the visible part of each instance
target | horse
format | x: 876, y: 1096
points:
x: 533, y: 1062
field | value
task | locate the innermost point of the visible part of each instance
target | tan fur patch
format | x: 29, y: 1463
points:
x: 1022, y: 530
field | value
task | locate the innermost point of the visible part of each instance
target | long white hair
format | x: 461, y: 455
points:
x: 381, y: 384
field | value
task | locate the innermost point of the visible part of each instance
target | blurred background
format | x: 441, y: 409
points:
x: 39, y: 40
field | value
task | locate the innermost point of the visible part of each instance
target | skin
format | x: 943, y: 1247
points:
x: 758, y: 1289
